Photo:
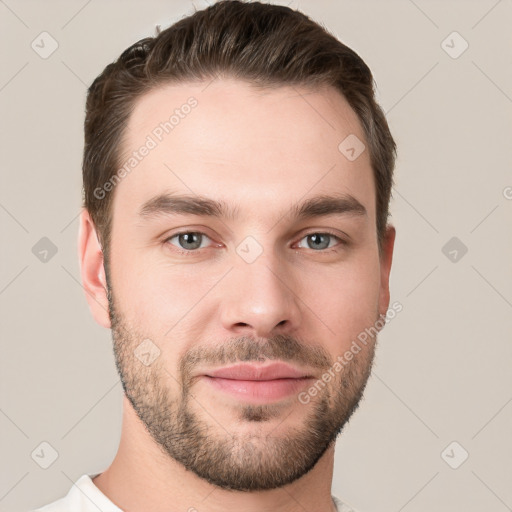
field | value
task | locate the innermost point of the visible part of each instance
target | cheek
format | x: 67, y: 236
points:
x: 347, y: 302
x: 157, y: 295
x: 156, y: 307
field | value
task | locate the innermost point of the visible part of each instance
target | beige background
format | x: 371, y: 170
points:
x: 443, y: 367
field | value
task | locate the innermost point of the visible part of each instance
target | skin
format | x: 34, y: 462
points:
x: 260, y: 151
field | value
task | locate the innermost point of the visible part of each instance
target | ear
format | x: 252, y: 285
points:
x: 92, y: 270
x: 386, y: 258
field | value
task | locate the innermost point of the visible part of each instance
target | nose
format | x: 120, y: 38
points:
x: 261, y: 298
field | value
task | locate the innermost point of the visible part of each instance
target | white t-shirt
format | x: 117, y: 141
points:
x: 84, y: 496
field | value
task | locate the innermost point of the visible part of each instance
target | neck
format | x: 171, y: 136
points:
x: 142, y: 478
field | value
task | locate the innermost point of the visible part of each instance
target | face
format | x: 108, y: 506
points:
x: 271, y: 257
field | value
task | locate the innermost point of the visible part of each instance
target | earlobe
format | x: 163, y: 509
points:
x: 385, y: 268
x: 92, y: 270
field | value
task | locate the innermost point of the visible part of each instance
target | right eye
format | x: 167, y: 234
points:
x: 189, y: 241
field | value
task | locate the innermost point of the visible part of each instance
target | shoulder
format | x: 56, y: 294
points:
x: 83, y: 496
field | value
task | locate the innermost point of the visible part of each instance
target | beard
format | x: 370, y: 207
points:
x: 253, y: 458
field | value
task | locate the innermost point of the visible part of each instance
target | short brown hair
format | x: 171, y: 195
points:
x: 266, y: 45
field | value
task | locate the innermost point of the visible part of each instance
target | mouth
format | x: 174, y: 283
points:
x: 257, y: 384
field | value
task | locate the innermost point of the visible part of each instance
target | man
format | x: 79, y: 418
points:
x: 237, y: 176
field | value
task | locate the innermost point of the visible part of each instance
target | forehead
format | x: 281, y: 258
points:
x: 231, y: 142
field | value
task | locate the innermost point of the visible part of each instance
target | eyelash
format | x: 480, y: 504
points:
x: 185, y: 252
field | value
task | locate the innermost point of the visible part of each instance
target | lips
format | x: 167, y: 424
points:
x: 250, y: 372
x: 258, y: 384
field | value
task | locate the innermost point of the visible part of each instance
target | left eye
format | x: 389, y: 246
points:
x: 321, y: 240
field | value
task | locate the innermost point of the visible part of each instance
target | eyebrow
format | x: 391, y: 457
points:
x: 182, y: 204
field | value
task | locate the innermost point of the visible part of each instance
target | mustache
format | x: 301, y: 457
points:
x: 248, y: 349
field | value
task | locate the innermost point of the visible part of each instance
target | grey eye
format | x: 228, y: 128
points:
x: 319, y: 241
x: 190, y: 240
